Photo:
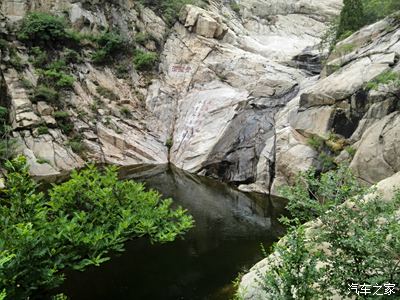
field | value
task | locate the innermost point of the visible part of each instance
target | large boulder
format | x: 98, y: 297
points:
x: 377, y: 154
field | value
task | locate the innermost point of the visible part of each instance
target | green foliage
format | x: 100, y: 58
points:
x: 63, y: 122
x: 42, y: 161
x: 351, y: 17
x: 169, y: 143
x: 71, y: 56
x: 42, y: 130
x: 316, y: 142
x: 351, y: 150
x: 109, y: 43
x: 364, y: 243
x: 7, y: 144
x: 125, y: 112
x: 57, y: 79
x: 384, y: 78
x: 142, y: 38
x: 76, y: 144
x: 145, y: 61
x: 378, y: 9
x: 61, y: 115
x: 312, y: 196
x: 169, y: 9
x: 44, y: 30
x: 106, y: 93
x: 294, y: 274
x: 361, y: 239
x: 77, y: 224
x: 44, y: 93
x: 40, y: 58
x: 235, y: 6
x: 344, y: 49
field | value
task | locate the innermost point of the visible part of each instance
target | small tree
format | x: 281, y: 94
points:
x: 351, y: 18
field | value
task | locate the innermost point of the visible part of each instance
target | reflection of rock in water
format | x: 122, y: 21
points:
x: 220, y: 211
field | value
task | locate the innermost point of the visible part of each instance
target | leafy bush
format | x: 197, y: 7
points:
x: 42, y: 130
x: 42, y: 29
x: 145, y: 61
x: 310, y: 196
x: 384, y: 78
x: 169, y: 9
x: 63, y: 122
x: 316, y: 142
x: 353, y: 243
x: 235, y: 7
x: 76, y: 144
x: 76, y: 225
x: 57, y: 79
x: 109, y: 44
x: 7, y: 144
x: 44, y: 93
x: 126, y: 112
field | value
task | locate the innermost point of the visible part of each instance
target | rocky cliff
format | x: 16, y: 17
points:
x: 238, y: 94
x: 224, y: 80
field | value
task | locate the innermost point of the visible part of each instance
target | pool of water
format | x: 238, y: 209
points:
x: 230, y: 226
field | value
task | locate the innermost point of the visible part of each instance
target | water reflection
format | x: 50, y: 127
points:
x: 230, y: 225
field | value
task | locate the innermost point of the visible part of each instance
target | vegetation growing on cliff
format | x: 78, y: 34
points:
x: 354, y: 15
x: 75, y: 225
x: 357, y: 242
x: 169, y: 9
x: 7, y: 144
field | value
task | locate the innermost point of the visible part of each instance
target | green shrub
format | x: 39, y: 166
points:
x: 45, y: 93
x: 71, y: 56
x: 384, y: 78
x: 311, y: 196
x: 145, y: 61
x: 350, y: 150
x: 76, y: 224
x: 42, y: 161
x: 61, y: 115
x: 235, y: 6
x: 76, y: 145
x: 106, y: 93
x: 3, y: 44
x: 40, y: 58
x: 42, y: 130
x: 42, y: 29
x: 63, y: 121
x: 361, y: 240
x: 126, y: 112
x: 316, y: 142
x: 58, y: 79
x: 7, y: 143
x: 109, y: 44
x: 169, y: 143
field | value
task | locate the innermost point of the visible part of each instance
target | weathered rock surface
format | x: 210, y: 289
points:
x: 236, y: 97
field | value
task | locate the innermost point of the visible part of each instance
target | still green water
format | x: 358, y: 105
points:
x: 230, y: 225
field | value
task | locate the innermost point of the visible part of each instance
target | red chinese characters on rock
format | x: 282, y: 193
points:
x: 181, y: 68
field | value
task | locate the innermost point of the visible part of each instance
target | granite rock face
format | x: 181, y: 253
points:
x: 237, y: 94
x: 211, y: 109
